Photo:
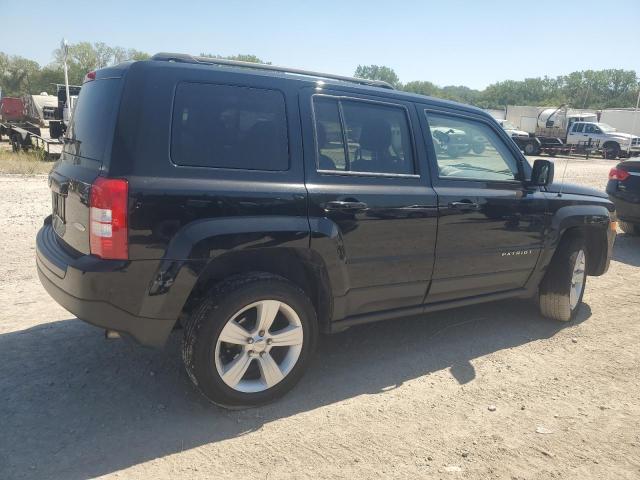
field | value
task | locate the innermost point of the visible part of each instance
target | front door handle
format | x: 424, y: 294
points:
x: 345, y: 205
x: 464, y: 206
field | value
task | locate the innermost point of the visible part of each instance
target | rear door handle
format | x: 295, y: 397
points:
x: 464, y: 206
x: 345, y: 205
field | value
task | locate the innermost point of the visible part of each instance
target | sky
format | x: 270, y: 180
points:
x: 447, y: 42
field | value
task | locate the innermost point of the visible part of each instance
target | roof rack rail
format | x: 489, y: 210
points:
x: 184, y: 58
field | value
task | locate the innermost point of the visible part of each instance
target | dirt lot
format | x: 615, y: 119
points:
x: 402, y: 399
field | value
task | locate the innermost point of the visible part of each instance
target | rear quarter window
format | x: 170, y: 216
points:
x: 224, y: 126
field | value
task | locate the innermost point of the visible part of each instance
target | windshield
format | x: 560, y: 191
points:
x: 606, y: 128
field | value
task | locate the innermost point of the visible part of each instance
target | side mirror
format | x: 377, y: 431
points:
x: 542, y: 173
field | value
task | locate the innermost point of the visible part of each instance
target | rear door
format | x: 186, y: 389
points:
x: 491, y: 227
x: 369, y: 190
x: 86, y: 153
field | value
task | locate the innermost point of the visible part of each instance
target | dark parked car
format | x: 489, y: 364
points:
x: 256, y: 207
x: 624, y: 191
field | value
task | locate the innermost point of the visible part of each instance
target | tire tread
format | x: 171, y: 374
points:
x: 554, y: 296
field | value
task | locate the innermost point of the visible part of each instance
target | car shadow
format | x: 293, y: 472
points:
x: 627, y: 250
x: 77, y: 406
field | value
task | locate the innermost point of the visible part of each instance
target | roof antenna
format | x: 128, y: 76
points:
x: 565, y: 108
x: 566, y: 162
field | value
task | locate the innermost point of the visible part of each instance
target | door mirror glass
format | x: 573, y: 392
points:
x: 542, y: 173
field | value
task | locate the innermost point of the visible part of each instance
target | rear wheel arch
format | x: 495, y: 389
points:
x: 302, y: 267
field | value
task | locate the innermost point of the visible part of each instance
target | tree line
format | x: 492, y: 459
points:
x: 19, y: 75
x: 594, y: 89
x: 585, y: 89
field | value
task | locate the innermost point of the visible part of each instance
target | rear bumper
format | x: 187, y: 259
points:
x: 627, y: 205
x: 87, y: 286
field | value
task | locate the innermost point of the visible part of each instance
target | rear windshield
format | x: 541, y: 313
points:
x: 93, y: 117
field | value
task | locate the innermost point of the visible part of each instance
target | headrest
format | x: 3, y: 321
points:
x: 375, y: 135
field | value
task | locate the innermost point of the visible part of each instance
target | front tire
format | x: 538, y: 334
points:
x: 563, y: 286
x: 250, y: 340
x: 630, y: 228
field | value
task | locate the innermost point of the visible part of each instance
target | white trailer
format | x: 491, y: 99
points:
x: 623, y: 120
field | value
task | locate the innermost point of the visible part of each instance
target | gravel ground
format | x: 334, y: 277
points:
x: 487, y: 392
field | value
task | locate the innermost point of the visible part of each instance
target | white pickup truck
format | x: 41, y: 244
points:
x: 612, y: 142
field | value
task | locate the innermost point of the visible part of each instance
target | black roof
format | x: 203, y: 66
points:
x: 373, y: 86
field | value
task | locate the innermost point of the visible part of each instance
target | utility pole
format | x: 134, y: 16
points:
x: 633, y: 128
x: 65, y: 50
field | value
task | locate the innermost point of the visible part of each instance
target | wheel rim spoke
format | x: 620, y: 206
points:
x: 234, y: 333
x: 267, y: 311
x: 236, y: 369
x: 239, y: 372
x: 289, y: 336
x: 271, y: 373
x: 577, y: 279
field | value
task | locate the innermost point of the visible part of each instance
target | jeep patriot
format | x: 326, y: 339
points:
x: 256, y: 207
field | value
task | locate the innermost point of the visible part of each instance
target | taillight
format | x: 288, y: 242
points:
x: 618, y: 174
x: 89, y: 77
x: 108, y: 218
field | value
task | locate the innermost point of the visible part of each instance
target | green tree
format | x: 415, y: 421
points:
x: 241, y: 57
x: 17, y: 74
x: 378, y: 72
x: 85, y: 57
x: 423, y: 88
x: 46, y: 79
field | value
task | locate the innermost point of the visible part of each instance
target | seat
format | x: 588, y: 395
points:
x: 375, y: 137
x: 324, y: 162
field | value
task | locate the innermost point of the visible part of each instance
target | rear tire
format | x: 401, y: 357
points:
x: 478, y: 148
x: 611, y: 150
x: 15, y: 143
x: 563, y: 286
x: 532, y: 148
x: 630, y: 228
x: 235, y: 360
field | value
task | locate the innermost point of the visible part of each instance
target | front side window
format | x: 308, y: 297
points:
x: 226, y: 126
x: 366, y: 137
x: 588, y: 128
x: 470, y: 150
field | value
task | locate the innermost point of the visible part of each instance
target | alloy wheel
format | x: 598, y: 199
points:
x: 577, y: 279
x: 259, y: 346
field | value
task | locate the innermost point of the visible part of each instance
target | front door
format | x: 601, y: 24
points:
x: 490, y: 231
x: 576, y: 134
x: 372, y: 211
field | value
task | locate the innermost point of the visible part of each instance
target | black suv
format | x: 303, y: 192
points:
x: 257, y: 206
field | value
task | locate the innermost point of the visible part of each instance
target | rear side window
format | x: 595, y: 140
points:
x: 578, y: 127
x: 93, y: 118
x: 225, y: 126
x: 359, y: 136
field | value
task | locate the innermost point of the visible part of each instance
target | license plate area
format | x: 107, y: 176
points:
x: 58, y: 207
